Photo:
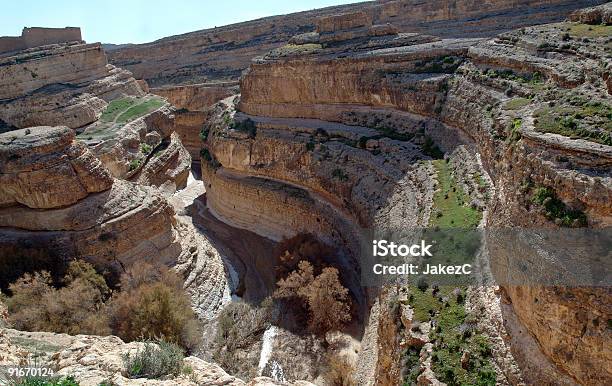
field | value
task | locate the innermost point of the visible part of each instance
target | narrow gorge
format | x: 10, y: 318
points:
x: 300, y: 139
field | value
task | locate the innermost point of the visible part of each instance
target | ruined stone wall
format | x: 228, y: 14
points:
x: 37, y: 36
x: 11, y: 43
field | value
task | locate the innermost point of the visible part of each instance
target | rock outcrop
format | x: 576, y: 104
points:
x: 60, y: 203
x: 359, y: 103
x: 222, y: 53
x: 192, y: 102
x: 72, y: 84
x: 62, y: 84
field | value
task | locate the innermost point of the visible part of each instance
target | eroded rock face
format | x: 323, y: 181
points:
x: 63, y: 84
x: 223, y: 52
x: 44, y: 167
x: 170, y: 165
x: 87, y: 214
x: 491, y: 95
x: 192, y: 102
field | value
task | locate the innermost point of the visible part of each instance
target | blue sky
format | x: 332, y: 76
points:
x: 140, y: 21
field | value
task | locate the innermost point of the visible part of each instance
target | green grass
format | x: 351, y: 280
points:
x: 516, y: 103
x: 450, y: 202
x: 590, y: 31
x: 116, y: 107
x: 295, y: 49
x: 135, y: 164
x: 140, y: 109
x: 591, y: 121
x: 454, y: 333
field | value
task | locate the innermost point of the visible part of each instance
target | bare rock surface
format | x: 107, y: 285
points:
x: 64, y: 84
x: 222, y: 53
x: 44, y: 167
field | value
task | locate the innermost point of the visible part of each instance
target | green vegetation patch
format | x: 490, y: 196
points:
x: 135, y: 164
x: 451, y: 209
x: 516, y: 103
x: 140, y: 109
x: 145, y: 148
x: 456, y: 336
x: 590, y: 31
x: 246, y: 126
x: 454, y: 333
x: 591, y: 121
x: 40, y: 381
x: 295, y: 49
x: 116, y: 107
x: 154, y: 360
x: 556, y: 210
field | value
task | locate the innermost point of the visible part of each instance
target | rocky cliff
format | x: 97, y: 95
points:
x: 222, y: 53
x: 63, y: 84
x: 192, y: 102
x: 60, y: 203
x: 72, y: 84
x: 346, y: 123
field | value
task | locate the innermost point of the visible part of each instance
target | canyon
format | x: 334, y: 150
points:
x: 344, y: 122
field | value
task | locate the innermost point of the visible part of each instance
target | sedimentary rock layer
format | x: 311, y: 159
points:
x: 61, y: 203
x: 192, y: 102
x: 495, y: 95
x: 63, y: 84
x: 44, y: 167
x: 223, y: 52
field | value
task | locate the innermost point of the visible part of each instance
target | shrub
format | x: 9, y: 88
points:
x: 204, y: 134
x: 76, y: 308
x: 154, y: 360
x: 145, y: 148
x: 247, y: 126
x: 40, y: 381
x: 326, y: 298
x: 135, y: 164
x: 431, y: 149
x: 303, y: 246
x: 152, y: 304
x: 340, y: 371
x: 555, y: 209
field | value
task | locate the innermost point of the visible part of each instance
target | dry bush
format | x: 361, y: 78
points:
x: 152, y: 304
x: 340, y: 371
x: 76, y: 308
x: 303, y: 246
x: 154, y: 360
x: 327, y: 300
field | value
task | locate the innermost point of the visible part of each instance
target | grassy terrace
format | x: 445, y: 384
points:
x: 454, y: 330
x: 586, y: 120
x: 119, y: 112
x: 590, y: 31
